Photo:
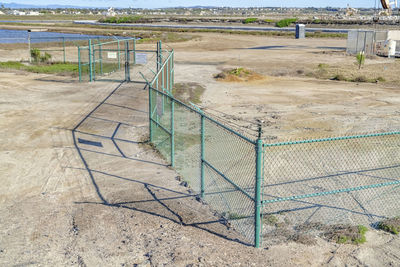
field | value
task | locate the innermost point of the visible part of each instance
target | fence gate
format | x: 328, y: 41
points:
x: 111, y: 61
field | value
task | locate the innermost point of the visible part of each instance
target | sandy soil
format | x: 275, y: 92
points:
x: 288, y: 104
x: 81, y: 187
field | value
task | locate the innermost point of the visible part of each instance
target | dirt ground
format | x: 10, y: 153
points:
x: 81, y: 187
x: 291, y: 105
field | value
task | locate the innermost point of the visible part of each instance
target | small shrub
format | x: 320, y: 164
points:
x: 360, y: 59
x: 323, y: 66
x: 305, y: 239
x: 269, y: 20
x: 285, y: 22
x: 239, y: 71
x: 360, y: 79
x: 322, y: 71
x: 238, y: 74
x: 339, y: 77
x: 235, y: 216
x: 250, y: 20
x: 380, y: 79
x: 390, y: 225
x: 35, y: 54
x: 221, y: 75
x: 344, y: 234
x: 45, y: 58
x: 342, y: 240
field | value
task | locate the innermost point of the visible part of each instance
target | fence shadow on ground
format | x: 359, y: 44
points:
x: 93, y: 146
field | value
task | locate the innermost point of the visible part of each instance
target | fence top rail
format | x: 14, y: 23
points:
x: 329, y: 139
x: 111, y: 42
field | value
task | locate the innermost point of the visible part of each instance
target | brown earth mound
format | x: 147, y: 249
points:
x: 238, y: 75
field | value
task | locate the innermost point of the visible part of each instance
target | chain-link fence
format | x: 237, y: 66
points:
x: 371, y: 42
x: 361, y: 41
x: 112, y: 60
x: 347, y: 180
x: 217, y: 162
x: 268, y: 189
x: 62, y: 49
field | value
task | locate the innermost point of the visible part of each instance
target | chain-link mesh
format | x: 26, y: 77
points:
x: 109, y: 59
x: 161, y: 119
x: 61, y: 49
x: 351, y: 180
x: 112, y: 60
x: 83, y: 63
x: 230, y: 177
x: 145, y: 60
x: 217, y: 162
x: 188, y: 145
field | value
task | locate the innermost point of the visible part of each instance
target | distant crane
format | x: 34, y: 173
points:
x: 389, y: 6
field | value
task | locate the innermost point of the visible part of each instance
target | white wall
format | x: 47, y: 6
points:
x: 393, y: 35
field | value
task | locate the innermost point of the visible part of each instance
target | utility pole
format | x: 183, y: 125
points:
x: 29, y: 46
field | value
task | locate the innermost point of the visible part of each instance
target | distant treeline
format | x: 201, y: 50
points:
x: 278, y: 23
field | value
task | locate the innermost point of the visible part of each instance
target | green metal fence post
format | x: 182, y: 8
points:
x: 156, y: 104
x: 160, y: 47
x: 101, y: 59
x: 172, y: 132
x: 168, y: 76
x: 159, y: 55
x: 119, y: 55
x: 171, y: 75
x: 163, y: 88
x: 203, y: 146
x: 257, y: 202
x: 150, y: 112
x: 127, y: 72
x: 94, y: 62
x: 64, y: 48
x: 134, y: 51
x: 29, y: 46
x: 90, y: 61
x: 173, y: 67
x: 79, y: 64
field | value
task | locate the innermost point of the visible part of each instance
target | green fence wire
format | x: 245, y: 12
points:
x: 343, y: 180
x: 266, y: 189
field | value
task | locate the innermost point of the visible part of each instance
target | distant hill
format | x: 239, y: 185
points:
x: 18, y: 6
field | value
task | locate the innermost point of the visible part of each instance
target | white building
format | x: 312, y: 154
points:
x: 32, y: 13
x: 110, y: 12
x: 18, y: 13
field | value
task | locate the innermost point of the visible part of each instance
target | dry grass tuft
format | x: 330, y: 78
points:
x: 238, y: 75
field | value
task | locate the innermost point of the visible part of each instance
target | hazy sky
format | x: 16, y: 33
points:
x: 170, y: 3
